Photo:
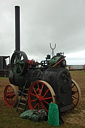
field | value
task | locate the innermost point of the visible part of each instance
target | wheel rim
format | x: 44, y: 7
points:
x: 11, y: 95
x: 19, y: 62
x: 76, y: 94
x: 40, y: 94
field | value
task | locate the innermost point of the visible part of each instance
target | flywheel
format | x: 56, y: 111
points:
x: 19, y: 62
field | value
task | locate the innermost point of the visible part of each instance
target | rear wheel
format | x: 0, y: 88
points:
x: 11, y: 95
x: 40, y: 94
x: 76, y: 93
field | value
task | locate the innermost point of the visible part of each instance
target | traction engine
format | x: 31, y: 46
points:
x: 36, y: 84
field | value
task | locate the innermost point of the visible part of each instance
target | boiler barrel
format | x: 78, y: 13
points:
x: 60, y: 80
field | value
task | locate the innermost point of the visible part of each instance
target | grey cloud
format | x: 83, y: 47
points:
x: 43, y: 22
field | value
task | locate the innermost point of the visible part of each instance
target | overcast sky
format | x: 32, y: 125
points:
x: 60, y: 22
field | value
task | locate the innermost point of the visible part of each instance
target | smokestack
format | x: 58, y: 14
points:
x: 17, y: 28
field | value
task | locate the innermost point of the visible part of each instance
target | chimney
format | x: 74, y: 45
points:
x: 17, y: 28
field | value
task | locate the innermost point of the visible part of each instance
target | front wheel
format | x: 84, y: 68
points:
x: 11, y: 95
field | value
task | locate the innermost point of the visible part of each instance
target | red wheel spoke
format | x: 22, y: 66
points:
x: 9, y: 94
x: 8, y: 90
x: 74, y: 97
x: 48, y: 98
x: 38, y: 87
x: 35, y: 106
x: 13, y: 94
x: 73, y: 85
x: 44, y: 107
x: 33, y: 94
x: 73, y: 103
x: 75, y: 92
x: 34, y: 90
x: 33, y: 100
x: 46, y: 92
x: 41, y: 89
x: 46, y: 102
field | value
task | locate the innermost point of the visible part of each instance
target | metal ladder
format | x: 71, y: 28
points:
x: 23, y: 101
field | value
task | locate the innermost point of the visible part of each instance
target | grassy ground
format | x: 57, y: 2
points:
x: 3, y: 77
x: 9, y: 118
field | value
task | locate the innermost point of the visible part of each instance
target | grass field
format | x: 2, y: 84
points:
x: 9, y: 118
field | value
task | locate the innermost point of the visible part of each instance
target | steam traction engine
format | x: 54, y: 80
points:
x: 38, y: 84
